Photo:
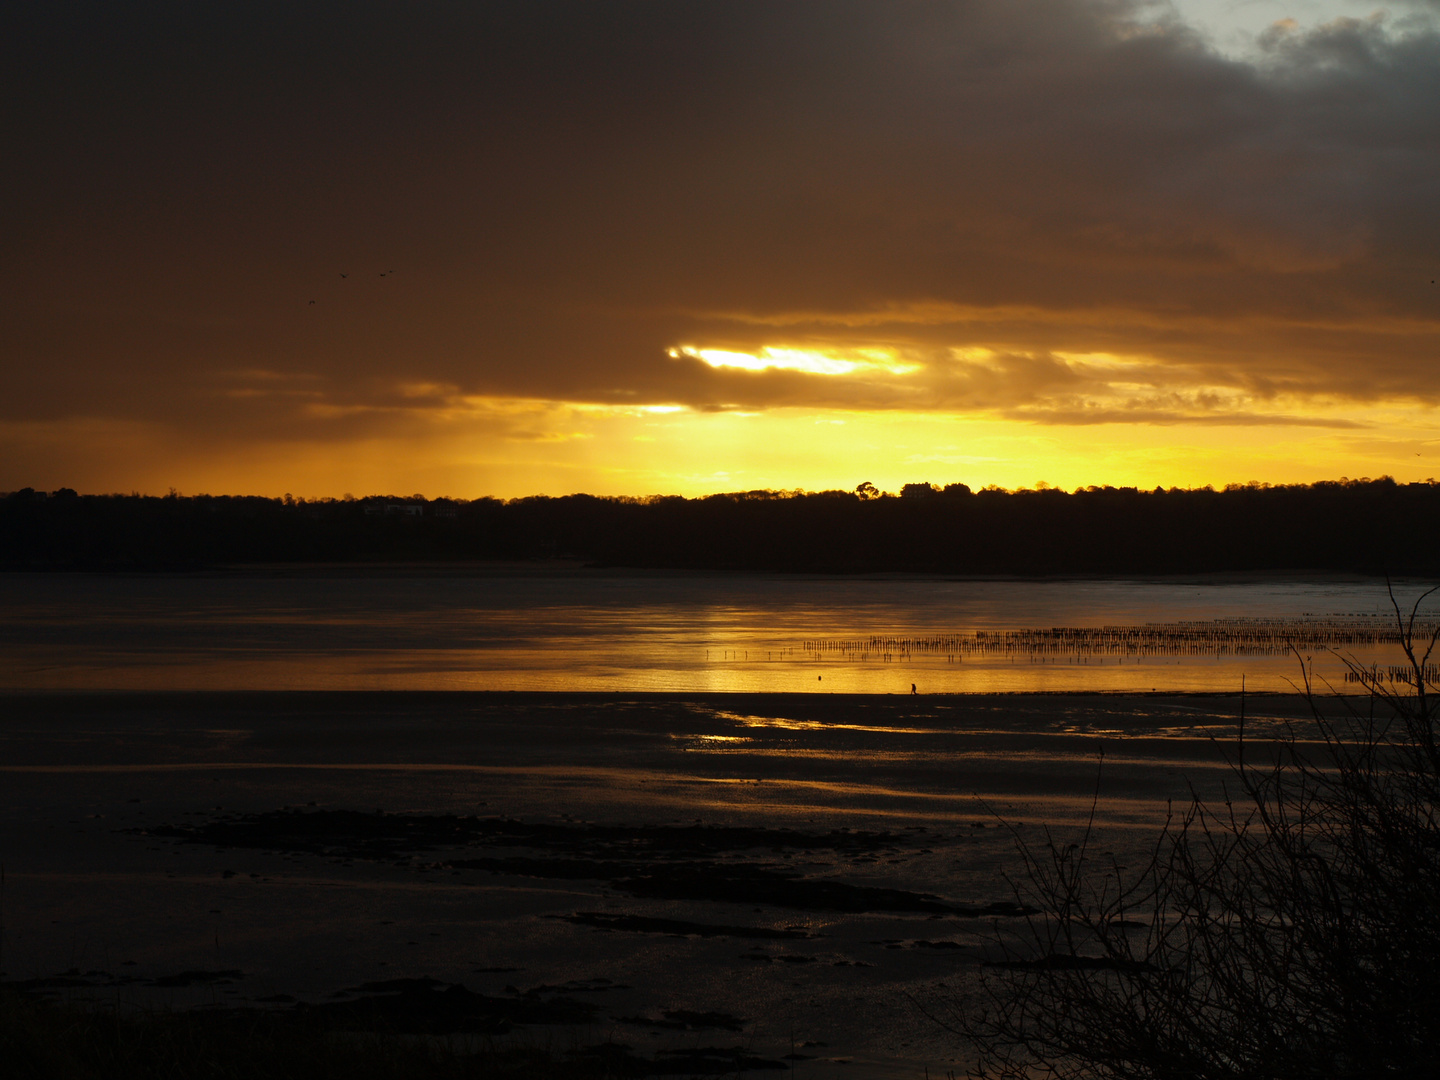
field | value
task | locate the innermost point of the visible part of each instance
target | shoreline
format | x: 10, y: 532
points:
x: 776, y: 865
x: 610, y: 696
x: 579, y: 568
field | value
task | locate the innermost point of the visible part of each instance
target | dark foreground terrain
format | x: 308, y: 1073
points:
x: 451, y: 884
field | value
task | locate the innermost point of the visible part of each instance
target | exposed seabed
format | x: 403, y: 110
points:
x: 799, y: 876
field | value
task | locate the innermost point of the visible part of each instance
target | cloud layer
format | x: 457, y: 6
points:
x: 268, y: 222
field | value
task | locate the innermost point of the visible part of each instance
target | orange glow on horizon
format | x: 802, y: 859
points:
x: 512, y: 448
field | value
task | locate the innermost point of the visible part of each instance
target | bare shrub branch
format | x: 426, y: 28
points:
x: 1288, y: 932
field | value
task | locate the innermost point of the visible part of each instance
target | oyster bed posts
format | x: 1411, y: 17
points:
x: 1217, y: 637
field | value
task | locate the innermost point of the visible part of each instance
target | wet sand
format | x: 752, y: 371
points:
x: 801, y: 877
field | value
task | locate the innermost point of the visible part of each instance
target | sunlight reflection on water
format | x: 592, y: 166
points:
x: 633, y: 633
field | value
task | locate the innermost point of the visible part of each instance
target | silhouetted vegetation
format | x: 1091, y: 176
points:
x: 1371, y: 526
x: 1290, y: 932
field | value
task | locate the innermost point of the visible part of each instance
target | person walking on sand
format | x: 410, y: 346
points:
x: 912, y: 689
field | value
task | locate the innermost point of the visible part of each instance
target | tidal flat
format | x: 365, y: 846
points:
x: 756, y: 881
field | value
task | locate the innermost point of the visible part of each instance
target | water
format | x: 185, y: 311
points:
x: 82, y: 775
x: 519, y: 628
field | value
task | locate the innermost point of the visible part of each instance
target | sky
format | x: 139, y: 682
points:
x: 516, y: 247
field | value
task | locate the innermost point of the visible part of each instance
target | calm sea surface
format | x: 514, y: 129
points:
x: 573, y: 630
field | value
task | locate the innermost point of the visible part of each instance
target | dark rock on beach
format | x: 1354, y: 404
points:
x: 649, y: 861
x: 429, y: 1007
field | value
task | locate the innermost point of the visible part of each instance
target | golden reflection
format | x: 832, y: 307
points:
x: 786, y: 724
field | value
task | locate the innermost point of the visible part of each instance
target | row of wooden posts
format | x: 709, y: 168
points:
x: 1219, y: 637
x: 1391, y: 673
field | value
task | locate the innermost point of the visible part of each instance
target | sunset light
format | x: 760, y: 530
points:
x: 854, y: 540
x: 1135, y: 244
x: 805, y: 361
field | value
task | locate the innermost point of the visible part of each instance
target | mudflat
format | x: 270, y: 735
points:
x: 792, y: 880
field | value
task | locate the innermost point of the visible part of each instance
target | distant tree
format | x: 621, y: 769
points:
x: 1321, y: 527
x: 1291, y: 933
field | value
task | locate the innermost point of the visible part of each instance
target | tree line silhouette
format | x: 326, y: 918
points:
x: 1363, y: 526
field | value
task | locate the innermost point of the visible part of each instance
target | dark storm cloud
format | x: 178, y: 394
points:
x: 538, y: 199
